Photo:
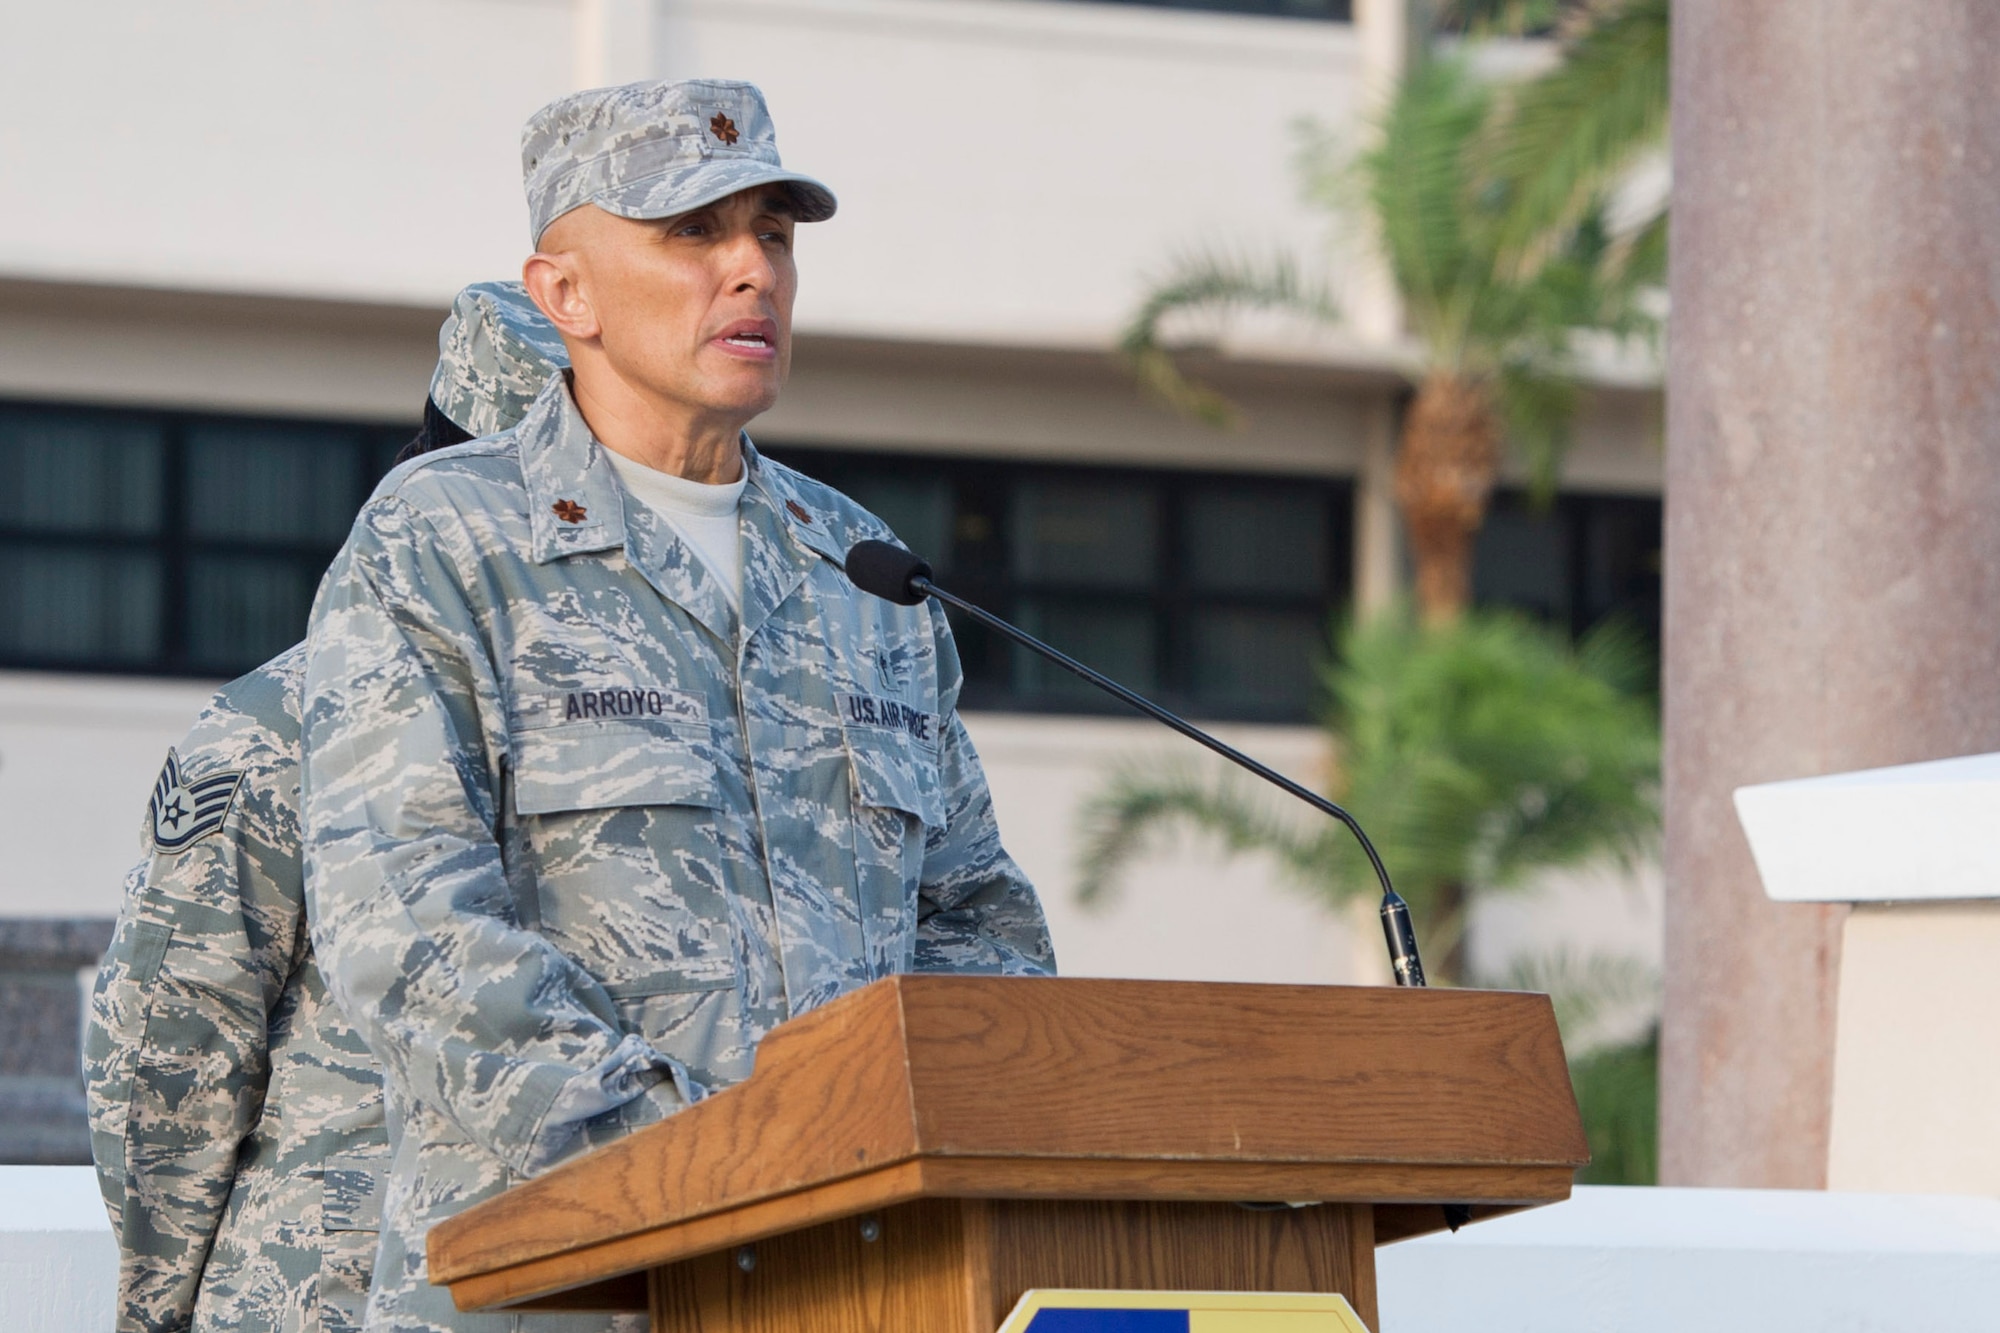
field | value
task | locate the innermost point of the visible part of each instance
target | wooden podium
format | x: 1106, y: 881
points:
x: 914, y: 1156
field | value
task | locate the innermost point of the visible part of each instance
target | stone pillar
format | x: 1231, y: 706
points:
x: 1833, y: 503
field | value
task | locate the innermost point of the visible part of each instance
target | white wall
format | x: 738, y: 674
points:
x: 1008, y: 170
x: 78, y: 755
x: 373, y: 363
x: 1916, y: 1065
x: 361, y: 149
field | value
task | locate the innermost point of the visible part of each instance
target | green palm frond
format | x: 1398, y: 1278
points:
x: 1618, y: 653
x: 1642, y: 257
x: 1506, y: 18
x: 1482, y: 751
x: 1475, y: 753
x: 1141, y: 807
x: 1564, y: 137
x: 1218, y: 283
x: 1618, y: 1092
x: 1418, y: 187
x: 1585, y: 989
x: 1537, y: 408
x: 1502, y: 269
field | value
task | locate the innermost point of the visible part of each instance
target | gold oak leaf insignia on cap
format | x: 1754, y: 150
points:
x: 723, y: 128
x: 799, y: 511
x: 569, y: 511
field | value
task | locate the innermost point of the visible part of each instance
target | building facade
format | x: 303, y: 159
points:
x: 233, y: 230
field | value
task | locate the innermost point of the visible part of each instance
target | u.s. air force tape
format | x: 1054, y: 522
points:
x: 873, y: 710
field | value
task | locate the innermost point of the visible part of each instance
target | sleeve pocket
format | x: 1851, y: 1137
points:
x: 125, y: 981
x: 895, y: 775
x: 121, y: 1000
x: 605, y: 766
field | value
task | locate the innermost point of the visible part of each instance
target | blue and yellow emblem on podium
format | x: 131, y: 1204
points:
x: 1181, y: 1312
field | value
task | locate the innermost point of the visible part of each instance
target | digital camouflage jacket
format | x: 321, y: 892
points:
x: 236, y: 1116
x: 579, y: 836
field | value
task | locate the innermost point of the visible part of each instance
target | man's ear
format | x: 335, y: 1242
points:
x: 553, y: 285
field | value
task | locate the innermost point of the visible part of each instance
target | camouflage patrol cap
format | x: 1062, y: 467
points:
x: 495, y: 352
x: 655, y: 150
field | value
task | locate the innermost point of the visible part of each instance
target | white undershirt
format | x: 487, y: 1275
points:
x: 702, y: 515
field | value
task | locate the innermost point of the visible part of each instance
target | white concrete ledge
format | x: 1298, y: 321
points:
x: 1916, y: 831
x: 1629, y: 1260
x: 1722, y: 1261
x: 58, y: 1261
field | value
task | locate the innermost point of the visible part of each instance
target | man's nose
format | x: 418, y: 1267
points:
x: 750, y: 267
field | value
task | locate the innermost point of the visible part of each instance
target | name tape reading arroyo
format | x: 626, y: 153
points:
x: 614, y: 704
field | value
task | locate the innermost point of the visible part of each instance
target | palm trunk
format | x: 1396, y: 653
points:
x: 1445, y: 471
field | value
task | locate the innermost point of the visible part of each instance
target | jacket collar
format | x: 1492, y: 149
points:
x: 784, y: 538
x: 576, y: 505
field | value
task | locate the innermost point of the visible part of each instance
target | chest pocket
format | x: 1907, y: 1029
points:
x: 606, y: 765
x: 892, y: 772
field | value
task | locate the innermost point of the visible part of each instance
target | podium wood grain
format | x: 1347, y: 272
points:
x: 1082, y: 1099
x: 959, y: 1266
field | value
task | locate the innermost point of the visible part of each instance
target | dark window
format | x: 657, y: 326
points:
x: 1341, y: 11
x: 1213, y: 593
x: 175, y: 543
x: 170, y: 543
x: 1574, y: 562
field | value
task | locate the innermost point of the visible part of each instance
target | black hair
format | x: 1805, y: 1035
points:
x: 439, y: 432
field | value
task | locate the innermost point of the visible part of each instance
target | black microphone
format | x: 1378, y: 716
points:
x: 892, y: 573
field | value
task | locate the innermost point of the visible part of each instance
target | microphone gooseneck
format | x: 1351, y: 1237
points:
x: 894, y: 574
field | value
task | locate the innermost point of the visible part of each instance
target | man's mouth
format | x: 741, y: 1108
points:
x: 754, y: 338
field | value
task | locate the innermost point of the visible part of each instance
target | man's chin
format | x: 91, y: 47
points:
x: 745, y: 400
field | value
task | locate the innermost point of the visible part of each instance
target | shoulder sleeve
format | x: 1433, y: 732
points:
x: 976, y: 910
x: 176, y: 1051
x: 414, y: 922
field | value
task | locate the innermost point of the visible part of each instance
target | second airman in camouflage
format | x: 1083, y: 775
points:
x: 236, y: 1115
x: 595, y: 799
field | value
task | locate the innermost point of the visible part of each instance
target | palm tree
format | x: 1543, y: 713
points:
x: 1475, y: 752
x: 1497, y: 273
x: 1566, y: 137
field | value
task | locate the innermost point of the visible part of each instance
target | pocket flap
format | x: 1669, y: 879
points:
x: 606, y: 765
x: 149, y: 943
x: 891, y: 773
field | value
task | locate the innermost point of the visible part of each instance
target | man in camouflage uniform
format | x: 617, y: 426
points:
x: 590, y: 809
x: 236, y: 1116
